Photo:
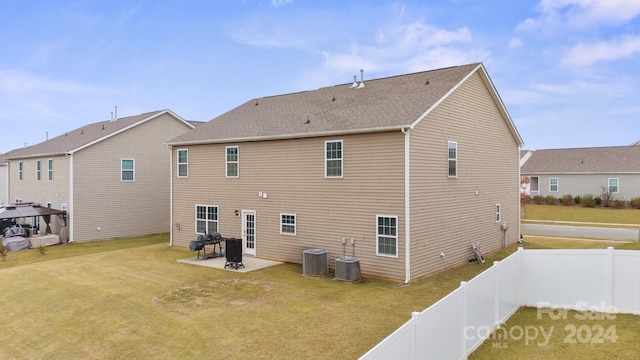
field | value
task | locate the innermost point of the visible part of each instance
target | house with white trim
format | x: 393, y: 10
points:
x: 410, y: 169
x: 111, y: 177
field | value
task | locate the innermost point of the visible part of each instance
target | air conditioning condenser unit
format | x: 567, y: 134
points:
x: 348, y: 269
x: 315, y: 262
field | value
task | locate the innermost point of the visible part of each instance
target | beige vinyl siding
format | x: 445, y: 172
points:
x: 291, y: 172
x: 4, y: 184
x: 104, y: 206
x: 446, y: 214
x: 30, y: 190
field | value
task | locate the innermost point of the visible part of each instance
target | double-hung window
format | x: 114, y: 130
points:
x: 387, y: 235
x: 38, y: 170
x: 127, y: 170
x: 233, y: 161
x: 452, y: 156
x: 553, y: 184
x: 183, y: 163
x: 333, y: 164
x: 206, y: 219
x: 288, y: 224
x: 50, y: 165
x: 614, y: 187
x: 498, y: 213
x: 20, y: 168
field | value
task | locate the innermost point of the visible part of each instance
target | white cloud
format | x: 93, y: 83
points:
x: 579, y: 14
x: 279, y: 3
x: 14, y: 82
x: 590, y: 53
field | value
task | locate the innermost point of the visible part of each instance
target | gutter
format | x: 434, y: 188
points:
x: 170, y: 195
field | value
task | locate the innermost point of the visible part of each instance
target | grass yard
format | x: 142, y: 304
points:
x: 532, y: 212
x: 129, y: 298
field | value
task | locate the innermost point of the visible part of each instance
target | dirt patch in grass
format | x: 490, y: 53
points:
x: 214, y: 293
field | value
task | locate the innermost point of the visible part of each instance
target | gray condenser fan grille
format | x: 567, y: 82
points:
x: 348, y: 269
x: 315, y: 262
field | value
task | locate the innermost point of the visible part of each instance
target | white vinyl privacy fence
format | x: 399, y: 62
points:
x: 602, y: 280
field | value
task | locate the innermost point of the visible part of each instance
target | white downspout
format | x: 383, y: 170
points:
x: 70, y: 205
x: 407, y: 209
x: 170, y: 195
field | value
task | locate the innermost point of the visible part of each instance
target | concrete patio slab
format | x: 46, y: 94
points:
x: 250, y: 263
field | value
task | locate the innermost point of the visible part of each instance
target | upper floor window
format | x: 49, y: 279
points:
x: 498, y: 213
x: 206, y: 219
x: 127, y: 169
x: 233, y: 161
x: 553, y: 184
x: 387, y: 235
x: 614, y: 185
x: 452, y: 156
x: 333, y: 158
x: 50, y: 163
x: 288, y: 224
x: 20, y: 168
x: 183, y: 162
x: 38, y: 170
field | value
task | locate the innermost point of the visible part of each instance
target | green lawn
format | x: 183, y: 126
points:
x: 129, y: 298
x: 532, y: 212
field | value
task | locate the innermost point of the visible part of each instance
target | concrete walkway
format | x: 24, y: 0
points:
x: 250, y: 263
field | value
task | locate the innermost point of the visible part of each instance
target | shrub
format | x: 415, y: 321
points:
x: 538, y: 199
x: 577, y: 199
x: 587, y: 200
x: 566, y: 199
x: 550, y: 199
x: 635, y: 203
x: 598, y: 200
x: 619, y: 204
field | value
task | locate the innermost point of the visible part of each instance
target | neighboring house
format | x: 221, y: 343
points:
x: 582, y: 171
x: 414, y: 168
x: 111, y: 177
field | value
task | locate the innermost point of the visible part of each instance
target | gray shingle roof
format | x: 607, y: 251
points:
x: 382, y: 104
x: 618, y: 159
x: 81, y: 137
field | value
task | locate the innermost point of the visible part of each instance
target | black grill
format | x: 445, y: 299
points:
x: 208, y: 239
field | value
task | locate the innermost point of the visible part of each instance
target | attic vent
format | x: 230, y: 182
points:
x: 315, y: 262
x: 361, y: 85
x: 355, y: 83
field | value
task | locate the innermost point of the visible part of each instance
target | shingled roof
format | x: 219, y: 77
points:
x: 618, y: 159
x: 84, y: 136
x: 381, y: 105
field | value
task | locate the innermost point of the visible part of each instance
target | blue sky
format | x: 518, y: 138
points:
x: 568, y: 71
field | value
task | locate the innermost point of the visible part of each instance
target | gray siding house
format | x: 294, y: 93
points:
x: 414, y: 168
x: 581, y: 171
x: 112, y: 177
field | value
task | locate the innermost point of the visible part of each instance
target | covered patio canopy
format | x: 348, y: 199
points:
x: 28, y: 209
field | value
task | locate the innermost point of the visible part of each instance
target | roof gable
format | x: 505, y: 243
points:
x: 381, y: 105
x: 617, y: 159
x: 87, y: 135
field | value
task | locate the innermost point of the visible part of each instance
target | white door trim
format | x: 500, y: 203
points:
x: 249, y: 232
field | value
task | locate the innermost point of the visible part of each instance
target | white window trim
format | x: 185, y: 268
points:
x: 227, y: 162
x: 557, y: 185
x: 295, y: 224
x: 617, y: 185
x: 18, y: 201
x: 378, y: 236
x: 38, y: 170
x: 182, y: 163
x: 50, y: 170
x: 20, y: 170
x: 326, y: 160
x: 195, y: 217
x: 498, y: 213
x: 133, y: 170
x: 452, y: 159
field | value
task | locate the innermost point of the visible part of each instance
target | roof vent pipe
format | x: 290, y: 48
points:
x: 115, y: 114
x: 361, y: 85
x: 355, y: 83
